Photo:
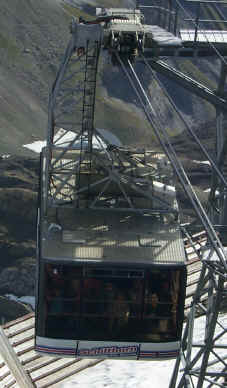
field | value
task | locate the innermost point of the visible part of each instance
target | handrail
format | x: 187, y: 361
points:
x: 11, y: 359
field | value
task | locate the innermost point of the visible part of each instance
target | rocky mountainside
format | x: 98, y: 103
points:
x: 18, y: 198
x: 33, y: 38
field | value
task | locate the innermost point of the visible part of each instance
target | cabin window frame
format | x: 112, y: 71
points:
x: 81, y: 314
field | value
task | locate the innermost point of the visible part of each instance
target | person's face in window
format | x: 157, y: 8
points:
x: 154, y: 300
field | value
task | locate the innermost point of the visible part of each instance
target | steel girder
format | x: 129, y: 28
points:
x: 203, y: 357
x: 83, y: 171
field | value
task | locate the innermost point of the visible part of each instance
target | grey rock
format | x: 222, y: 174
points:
x: 10, y: 310
x: 19, y: 280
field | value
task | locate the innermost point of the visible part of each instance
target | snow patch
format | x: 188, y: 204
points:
x: 63, y: 138
x: 30, y: 300
x: 202, y: 162
x: 139, y: 374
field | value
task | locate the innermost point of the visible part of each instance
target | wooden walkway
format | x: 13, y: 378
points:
x: 24, y: 368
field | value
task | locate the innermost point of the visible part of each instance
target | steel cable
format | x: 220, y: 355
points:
x: 192, y: 133
x: 175, y: 162
x: 187, y: 13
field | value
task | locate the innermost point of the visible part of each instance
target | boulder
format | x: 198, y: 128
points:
x: 19, y: 280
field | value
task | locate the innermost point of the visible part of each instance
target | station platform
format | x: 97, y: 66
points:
x: 190, y: 43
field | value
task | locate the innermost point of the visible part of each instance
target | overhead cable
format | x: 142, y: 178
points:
x: 177, y: 165
x: 190, y: 130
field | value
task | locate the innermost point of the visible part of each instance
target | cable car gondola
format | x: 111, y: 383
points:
x: 111, y: 280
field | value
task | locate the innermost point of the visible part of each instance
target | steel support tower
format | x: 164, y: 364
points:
x: 83, y: 170
x: 76, y: 153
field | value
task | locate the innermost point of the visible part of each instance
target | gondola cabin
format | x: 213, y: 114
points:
x: 111, y: 279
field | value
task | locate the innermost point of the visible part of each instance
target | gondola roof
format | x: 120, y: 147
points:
x: 117, y: 237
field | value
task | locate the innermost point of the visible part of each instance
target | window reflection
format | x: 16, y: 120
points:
x: 136, y: 306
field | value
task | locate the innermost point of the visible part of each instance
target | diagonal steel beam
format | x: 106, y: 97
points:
x: 189, y: 83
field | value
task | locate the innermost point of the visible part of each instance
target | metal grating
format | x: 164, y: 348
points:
x: 212, y: 36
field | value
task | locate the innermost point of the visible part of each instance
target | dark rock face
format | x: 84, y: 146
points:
x: 18, y: 202
x: 32, y: 39
x: 10, y: 310
x: 19, y: 279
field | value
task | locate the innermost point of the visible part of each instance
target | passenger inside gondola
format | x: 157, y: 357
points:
x: 121, y: 313
x: 135, y: 298
x: 90, y: 305
x: 73, y: 296
x: 109, y: 294
x: 54, y: 299
x: 91, y: 294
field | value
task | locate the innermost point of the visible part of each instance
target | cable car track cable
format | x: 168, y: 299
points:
x: 192, y: 133
x: 177, y: 165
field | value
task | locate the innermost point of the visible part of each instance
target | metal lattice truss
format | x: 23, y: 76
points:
x: 81, y: 169
x: 71, y: 112
x: 112, y: 178
x: 203, y: 357
x: 72, y: 98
